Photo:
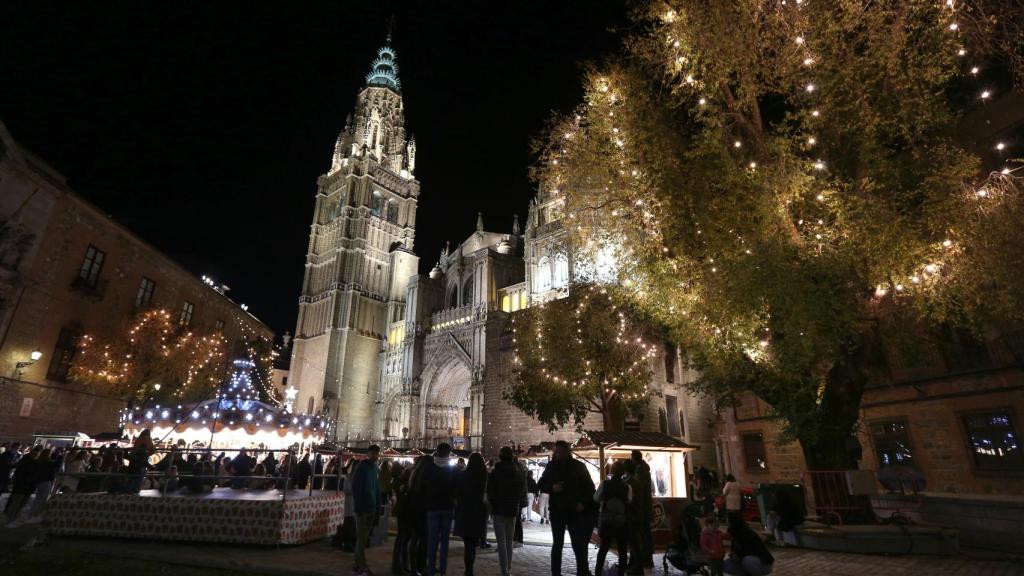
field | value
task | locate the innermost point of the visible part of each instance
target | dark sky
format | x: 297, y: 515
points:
x: 203, y: 126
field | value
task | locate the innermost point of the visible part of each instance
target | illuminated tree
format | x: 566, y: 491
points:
x: 785, y: 190
x: 154, y: 360
x: 579, y: 355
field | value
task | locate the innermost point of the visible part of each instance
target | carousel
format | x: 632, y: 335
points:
x: 252, y: 509
x: 235, y: 419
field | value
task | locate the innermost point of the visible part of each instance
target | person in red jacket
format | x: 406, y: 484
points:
x: 712, y: 542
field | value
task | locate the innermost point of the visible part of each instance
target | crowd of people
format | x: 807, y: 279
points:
x: 432, y: 498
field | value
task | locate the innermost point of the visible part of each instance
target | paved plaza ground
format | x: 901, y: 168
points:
x: 24, y: 552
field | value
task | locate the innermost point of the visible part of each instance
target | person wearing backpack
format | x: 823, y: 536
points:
x: 613, y: 495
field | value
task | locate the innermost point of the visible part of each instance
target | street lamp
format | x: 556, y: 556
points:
x: 34, y: 357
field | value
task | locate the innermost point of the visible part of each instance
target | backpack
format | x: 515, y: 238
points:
x: 613, y: 505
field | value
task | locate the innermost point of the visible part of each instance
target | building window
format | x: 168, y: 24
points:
x: 522, y: 301
x: 145, y: 295
x: 63, y: 353
x: 376, y: 203
x: 542, y: 282
x: 467, y: 292
x: 309, y: 409
x: 754, y: 454
x: 993, y: 441
x: 186, y: 313
x: 670, y: 362
x: 506, y: 303
x: 892, y: 443
x: 218, y: 325
x: 91, y: 266
x: 561, y: 275
x: 675, y: 427
x: 393, y: 212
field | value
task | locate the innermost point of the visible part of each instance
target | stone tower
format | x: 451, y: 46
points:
x: 359, y: 258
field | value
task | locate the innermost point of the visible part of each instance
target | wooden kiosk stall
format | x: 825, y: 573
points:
x: 666, y: 457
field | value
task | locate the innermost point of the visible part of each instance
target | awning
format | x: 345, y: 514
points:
x: 592, y: 441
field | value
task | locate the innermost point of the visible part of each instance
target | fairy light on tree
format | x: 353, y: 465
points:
x: 579, y: 355
x: 865, y: 215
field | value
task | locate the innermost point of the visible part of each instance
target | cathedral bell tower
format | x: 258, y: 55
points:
x: 359, y: 258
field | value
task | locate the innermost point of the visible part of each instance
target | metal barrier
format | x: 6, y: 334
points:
x: 841, y: 495
x: 830, y: 496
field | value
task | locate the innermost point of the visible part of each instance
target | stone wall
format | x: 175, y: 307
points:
x: 49, y: 408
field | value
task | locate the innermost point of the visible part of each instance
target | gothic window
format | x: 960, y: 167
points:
x: 506, y: 303
x: 453, y: 296
x: 467, y: 292
x: 670, y: 362
x: 561, y: 271
x: 542, y: 279
x: 376, y: 204
x: 376, y: 134
x: 309, y: 406
x: 672, y: 409
x: 393, y: 212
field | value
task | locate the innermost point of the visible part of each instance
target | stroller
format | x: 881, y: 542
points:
x: 685, y: 554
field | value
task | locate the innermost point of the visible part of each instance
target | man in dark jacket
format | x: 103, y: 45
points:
x: 571, y: 506
x: 366, y: 497
x: 641, y: 554
x: 7, y: 461
x: 504, y: 492
x: 437, y: 485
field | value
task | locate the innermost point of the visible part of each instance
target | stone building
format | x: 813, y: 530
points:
x: 413, y: 359
x: 66, y: 268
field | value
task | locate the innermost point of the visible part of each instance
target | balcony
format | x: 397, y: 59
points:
x: 451, y: 317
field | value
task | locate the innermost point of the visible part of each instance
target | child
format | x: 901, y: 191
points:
x: 711, y: 542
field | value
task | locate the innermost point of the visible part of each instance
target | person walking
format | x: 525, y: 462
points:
x: 531, y: 496
x: 417, y: 515
x: 571, y: 506
x: 437, y: 485
x: 400, y: 550
x: 471, y: 507
x: 504, y: 491
x: 22, y: 485
x: 614, y: 496
x: 642, y: 552
x: 523, y: 470
x: 366, y: 494
x: 733, y: 496
x: 45, y: 474
x: 8, y: 459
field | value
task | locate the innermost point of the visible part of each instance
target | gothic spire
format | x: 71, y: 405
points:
x: 479, y: 221
x: 384, y: 70
x: 515, y: 224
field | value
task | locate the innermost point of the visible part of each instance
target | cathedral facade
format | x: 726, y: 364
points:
x: 411, y: 359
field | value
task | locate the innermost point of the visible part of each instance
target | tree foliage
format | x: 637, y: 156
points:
x: 579, y: 355
x: 154, y: 350
x: 787, y: 190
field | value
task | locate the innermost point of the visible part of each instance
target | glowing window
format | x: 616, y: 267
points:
x: 542, y: 281
x: 506, y: 303
x: 522, y: 300
x: 561, y: 271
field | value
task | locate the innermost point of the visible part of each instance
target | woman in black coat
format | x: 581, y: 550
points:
x: 471, y: 507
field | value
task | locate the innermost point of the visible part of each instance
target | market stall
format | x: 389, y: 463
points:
x: 666, y: 457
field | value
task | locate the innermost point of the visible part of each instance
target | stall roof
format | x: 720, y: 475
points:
x: 630, y: 440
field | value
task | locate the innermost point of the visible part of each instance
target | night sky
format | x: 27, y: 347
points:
x: 203, y: 126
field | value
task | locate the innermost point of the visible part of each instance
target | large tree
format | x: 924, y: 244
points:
x: 579, y: 355
x: 154, y: 359
x: 786, y: 189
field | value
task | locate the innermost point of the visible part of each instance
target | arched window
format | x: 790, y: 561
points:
x: 506, y: 303
x: 467, y: 291
x: 542, y: 276
x: 561, y: 271
x: 376, y: 203
x: 453, y: 296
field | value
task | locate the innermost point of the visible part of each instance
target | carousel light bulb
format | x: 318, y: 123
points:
x: 974, y: 70
x: 815, y: 113
x: 985, y: 95
x: 1000, y: 146
x: 961, y: 52
x: 954, y: 26
x: 947, y: 242
x: 737, y: 144
x: 702, y: 101
x: 808, y: 61
x: 809, y: 88
x: 799, y: 39
x: 812, y: 140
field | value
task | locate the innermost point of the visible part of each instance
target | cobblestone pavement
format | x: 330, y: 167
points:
x: 322, y: 559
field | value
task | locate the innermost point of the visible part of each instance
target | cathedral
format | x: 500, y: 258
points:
x: 410, y: 359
